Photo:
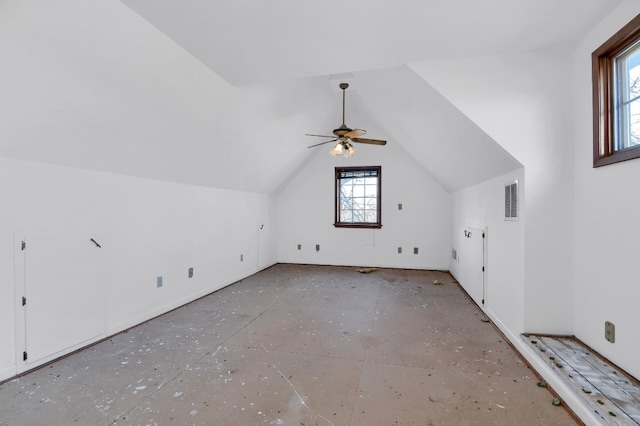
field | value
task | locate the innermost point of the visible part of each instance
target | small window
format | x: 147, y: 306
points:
x: 358, y: 197
x: 616, y: 97
x: 511, y: 201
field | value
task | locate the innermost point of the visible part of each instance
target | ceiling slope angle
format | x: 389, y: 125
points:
x: 451, y: 148
x: 249, y: 41
x: 127, y: 99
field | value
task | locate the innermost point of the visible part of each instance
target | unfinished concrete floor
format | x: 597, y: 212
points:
x: 297, y: 345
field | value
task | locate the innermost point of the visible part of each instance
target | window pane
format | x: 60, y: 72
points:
x: 627, y: 114
x: 371, y: 204
x: 371, y: 216
x: 358, y: 191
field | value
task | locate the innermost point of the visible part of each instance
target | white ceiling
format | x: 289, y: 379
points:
x: 248, y: 41
x: 220, y: 93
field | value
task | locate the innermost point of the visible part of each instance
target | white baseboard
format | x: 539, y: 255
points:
x: 568, y: 396
x: 7, y: 372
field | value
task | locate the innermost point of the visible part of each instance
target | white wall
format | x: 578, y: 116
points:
x: 483, y: 204
x: 305, y: 214
x: 607, y: 235
x: 521, y: 101
x: 149, y: 227
x: 580, y: 238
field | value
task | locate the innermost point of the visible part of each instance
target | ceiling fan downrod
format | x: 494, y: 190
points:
x: 344, y: 87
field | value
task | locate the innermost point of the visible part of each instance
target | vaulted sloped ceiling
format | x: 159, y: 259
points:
x: 248, y: 41
x: 220, y: 93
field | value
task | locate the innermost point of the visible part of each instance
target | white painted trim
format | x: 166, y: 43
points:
x: 8, y: 372
x: 382, y: 266
x: 25, y: 366
x: 117, y: 328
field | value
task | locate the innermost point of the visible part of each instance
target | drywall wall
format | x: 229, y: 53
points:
x: 305, y: 214
x: 607, y: 238
x: 522, y: 101
x: 149, y: 228
x: 483, y: 205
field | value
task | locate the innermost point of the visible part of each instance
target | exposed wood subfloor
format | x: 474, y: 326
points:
x: 612, y: 395
x: 297, y: 345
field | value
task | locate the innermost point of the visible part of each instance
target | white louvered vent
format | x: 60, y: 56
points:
x: 511, y: 201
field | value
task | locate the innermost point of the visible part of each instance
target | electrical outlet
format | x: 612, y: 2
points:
x: 399, y: 250
x: 299, y: 246
x: 241, y: 258
x: 317, y: 247
x: 415, y: 250
x: 399, y: 206
x: 159, y: 282
x: 190, y: 272
x: 610, y: 331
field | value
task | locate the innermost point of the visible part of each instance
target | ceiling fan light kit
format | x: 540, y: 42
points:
x: 343, y: 148
x: 345, y: 136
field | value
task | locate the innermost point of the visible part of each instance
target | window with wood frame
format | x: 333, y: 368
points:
x: 358, y: 197
x: 616, y: 97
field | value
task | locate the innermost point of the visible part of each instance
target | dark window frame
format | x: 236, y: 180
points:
x: 368, y: 225
x: 604, y: 96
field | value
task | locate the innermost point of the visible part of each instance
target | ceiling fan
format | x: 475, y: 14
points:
x: 344, y: 136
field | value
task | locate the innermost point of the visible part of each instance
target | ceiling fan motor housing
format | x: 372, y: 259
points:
x: 341, y: 131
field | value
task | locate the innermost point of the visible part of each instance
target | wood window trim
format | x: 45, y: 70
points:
x: 602, y: 60
x: 338, y: 224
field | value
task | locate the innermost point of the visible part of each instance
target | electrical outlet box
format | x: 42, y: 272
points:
x: 158, y: 282
x: 190, y: 272
x: 399, y: 250
x: 317, y: 247
x: 299, y: 246
x: 399, y: 206
x: 242, y: 258
x: 415, y: 250
x: 610, y: 331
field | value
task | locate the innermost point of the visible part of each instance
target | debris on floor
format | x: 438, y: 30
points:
x: 294, y: 345
x: 367, y: 270
x: 437, y: 282
x: 598, y: 383
x: 484, y: 319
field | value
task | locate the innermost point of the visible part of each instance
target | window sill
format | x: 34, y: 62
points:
x: 358, y: 225
x: 617, y: 157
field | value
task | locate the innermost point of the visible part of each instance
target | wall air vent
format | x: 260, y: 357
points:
x: 511, y: 201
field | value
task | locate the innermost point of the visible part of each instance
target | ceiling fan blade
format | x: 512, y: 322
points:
x: 322, y: 143
x: 354, y: 133
x: 369, y: 141
x: 320, y: 136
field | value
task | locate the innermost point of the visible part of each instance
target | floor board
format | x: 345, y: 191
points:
x: 605, y: 388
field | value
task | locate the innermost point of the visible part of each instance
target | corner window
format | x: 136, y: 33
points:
x: 358, y: 197
x: 616, y: 97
